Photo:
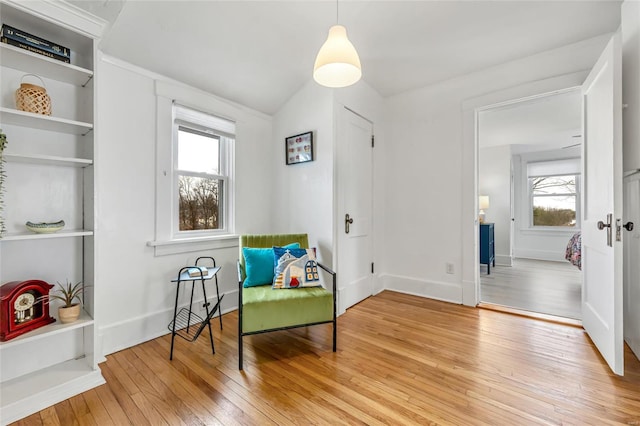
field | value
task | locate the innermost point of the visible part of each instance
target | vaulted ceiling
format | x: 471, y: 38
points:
x: 259, y: 53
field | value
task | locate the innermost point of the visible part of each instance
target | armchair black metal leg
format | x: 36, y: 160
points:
x: 240, y: 335
x: 240, y: 328
x: 240, y: 287
x: 335, y: 335
x: 240, y: 352
x: 335, y: 310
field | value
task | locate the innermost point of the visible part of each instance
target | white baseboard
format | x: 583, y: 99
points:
x: 378, y: 284
x: 339, y: 306
x: 447, y: 292
x: 131, y: 332
x: 504, y: 260
x: 40, y: 399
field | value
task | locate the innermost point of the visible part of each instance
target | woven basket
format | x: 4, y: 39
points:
x: 33, y: 98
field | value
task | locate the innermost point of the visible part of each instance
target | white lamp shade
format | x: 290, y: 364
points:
x: 337, y: 63
x: 483, y: 202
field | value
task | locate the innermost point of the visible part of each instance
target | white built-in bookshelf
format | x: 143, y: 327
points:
x: 50, y: 162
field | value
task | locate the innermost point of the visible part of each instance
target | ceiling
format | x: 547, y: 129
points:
x: 259, y: 53
x: 543, y: 123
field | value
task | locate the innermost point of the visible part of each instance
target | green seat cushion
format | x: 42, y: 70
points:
x: 265, y: 308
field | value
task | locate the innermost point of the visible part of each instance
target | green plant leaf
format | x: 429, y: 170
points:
x: 66, y: 293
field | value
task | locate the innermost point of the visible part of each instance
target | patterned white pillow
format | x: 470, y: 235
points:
x: 295, y: 268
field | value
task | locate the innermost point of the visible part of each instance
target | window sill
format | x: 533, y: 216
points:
x: 186, y: 245
x: 550, y: 231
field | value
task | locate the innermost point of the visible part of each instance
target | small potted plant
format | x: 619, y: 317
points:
x: 67, y: 294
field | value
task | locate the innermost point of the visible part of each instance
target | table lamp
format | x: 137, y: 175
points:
x: 483, y: 203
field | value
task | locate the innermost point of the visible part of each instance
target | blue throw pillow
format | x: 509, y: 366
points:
x: 258, y: 264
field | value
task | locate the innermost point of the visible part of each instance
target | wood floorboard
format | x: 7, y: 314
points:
x: 401, y: 359
x: 49, y: 416
x: 97, y: 408
x: 552, y: 288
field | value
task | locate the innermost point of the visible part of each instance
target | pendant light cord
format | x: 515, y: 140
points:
x: 337, y: 15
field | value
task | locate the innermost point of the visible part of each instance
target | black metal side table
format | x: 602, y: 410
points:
x: 186, y: 323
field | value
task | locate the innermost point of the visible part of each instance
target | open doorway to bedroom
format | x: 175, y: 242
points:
x: 529, y: 187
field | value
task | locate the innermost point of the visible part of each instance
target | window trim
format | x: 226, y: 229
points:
x: 164, y: 242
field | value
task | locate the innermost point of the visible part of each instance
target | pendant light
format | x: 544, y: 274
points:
x: 337, y: 63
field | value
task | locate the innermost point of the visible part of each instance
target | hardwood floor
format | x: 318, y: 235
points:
x: 553, y: 288
x: 401, y: 360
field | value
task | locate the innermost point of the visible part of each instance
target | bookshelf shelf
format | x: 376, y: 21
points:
x: 16, y: 236
x: 21, y: 59
x: 48, y: 160
x: 49, y: 330
x: 43, y: 122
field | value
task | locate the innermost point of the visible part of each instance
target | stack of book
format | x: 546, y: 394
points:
x: 24, y: 40
x: 198, y: 271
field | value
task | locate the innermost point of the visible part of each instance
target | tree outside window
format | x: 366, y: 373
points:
x: 554, y: 200
x: 199, y: 207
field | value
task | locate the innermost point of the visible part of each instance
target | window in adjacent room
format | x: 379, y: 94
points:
x: 554, y: 193
x: 202, y: 197
x: 554, y: 200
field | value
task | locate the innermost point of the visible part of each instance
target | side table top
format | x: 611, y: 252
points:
x: 184, y: 276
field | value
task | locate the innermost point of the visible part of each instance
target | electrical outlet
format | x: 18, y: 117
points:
x: 449, y: 268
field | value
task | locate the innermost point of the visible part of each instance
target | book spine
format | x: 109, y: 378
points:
x: 30, y: 48
x: 31, y: 40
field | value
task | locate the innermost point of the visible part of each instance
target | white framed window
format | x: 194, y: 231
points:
x: 195, y: 177
x: 202, y: 193
x: 554, y: 194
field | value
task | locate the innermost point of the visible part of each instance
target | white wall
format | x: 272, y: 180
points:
x: 430, y: 193
x: 134, y: 295
x: 631, y: 149
x: 495, y: 181
x: 303, y: 196
x: 631, y: 84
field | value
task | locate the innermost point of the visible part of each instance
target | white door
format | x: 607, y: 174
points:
x: 631, y: 237
x: 602, y: 308
x: 355, y: 205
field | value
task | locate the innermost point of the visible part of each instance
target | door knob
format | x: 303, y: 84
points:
x: 347, y: 221
x: 628, y: 226
x: 602, y: 225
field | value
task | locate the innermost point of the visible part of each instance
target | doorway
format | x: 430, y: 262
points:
x: 529, y: 170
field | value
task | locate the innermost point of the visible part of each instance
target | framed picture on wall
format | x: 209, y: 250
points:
x: 299, y: 148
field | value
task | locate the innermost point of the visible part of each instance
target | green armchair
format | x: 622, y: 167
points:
x: 262, y: 309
